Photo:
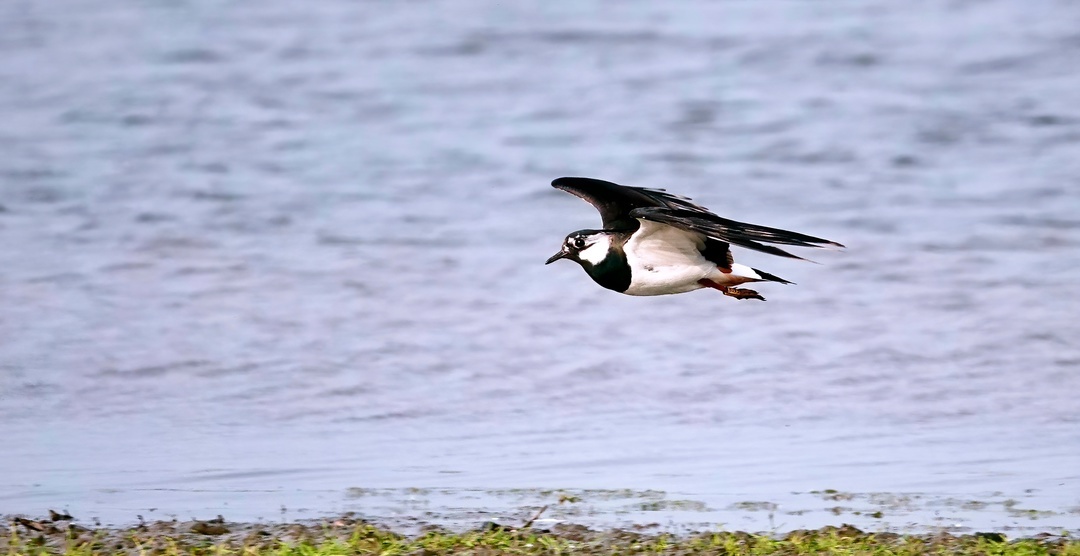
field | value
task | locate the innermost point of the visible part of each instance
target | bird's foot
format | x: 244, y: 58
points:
x: 738, y: 293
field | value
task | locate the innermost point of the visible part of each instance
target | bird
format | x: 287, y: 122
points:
x: 656, y: 243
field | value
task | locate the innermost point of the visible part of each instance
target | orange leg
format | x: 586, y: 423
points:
x: 730, y: 291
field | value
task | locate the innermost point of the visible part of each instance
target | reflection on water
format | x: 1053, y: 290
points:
x: 256, y: 255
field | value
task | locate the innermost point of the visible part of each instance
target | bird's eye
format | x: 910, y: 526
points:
x: 579, y: 243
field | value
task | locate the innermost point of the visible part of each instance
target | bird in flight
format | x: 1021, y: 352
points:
x: 656, y: 243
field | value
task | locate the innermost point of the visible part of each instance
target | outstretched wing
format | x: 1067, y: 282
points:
x: 746, y: 235
x: 615, y: 202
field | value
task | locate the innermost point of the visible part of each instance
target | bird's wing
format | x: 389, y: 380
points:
x: 658, y: 244
x: 718, y: 252
x: 746, y: 235
x: 615, y: 201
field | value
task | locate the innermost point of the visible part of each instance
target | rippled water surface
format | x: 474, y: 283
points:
x: 286, y: 258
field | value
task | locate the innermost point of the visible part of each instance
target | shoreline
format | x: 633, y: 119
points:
x: 60, y: 534
x: 1017, y: 514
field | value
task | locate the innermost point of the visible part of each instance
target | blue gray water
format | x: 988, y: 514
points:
x: 285, y: 258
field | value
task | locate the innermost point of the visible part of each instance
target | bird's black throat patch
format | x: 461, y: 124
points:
x: 613, y: 272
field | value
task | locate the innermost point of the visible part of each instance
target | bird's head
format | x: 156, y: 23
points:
x: 584, y: 247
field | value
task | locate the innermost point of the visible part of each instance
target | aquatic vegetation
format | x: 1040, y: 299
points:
x: 349, y: 536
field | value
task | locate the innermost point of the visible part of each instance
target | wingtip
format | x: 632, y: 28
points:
x: 574, y: 181
x: 564, y: 182
x: 567, y: 180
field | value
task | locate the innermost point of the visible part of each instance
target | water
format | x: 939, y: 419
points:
x: 283, y: 259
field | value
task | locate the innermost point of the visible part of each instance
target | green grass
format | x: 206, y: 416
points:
x: 351, y: 537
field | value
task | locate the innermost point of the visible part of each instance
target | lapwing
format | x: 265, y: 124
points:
x: 656, y: 243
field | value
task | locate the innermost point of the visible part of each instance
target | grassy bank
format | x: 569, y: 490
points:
x: 347, y: 535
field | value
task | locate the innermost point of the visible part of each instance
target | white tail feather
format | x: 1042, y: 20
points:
x: 745, y: 271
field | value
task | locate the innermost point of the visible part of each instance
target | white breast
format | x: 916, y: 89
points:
x: 664, y: 259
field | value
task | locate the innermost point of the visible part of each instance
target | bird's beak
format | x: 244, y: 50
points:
x: 557, y: 256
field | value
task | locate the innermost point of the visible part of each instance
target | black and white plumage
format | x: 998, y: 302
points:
x: 656, y: 243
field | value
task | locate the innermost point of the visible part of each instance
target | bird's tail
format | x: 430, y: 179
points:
x: 756, y: 274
